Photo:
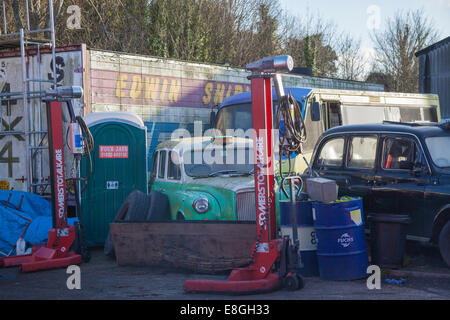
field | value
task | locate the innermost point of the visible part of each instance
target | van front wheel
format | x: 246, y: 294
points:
x: 444, y: 243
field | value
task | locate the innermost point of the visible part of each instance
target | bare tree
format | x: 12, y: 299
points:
x: 351, y: 63
x: 38, y: 13
x: 395, y: 46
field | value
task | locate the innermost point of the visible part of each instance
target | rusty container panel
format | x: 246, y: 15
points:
x: 69, y: 71
x: 205, y: 247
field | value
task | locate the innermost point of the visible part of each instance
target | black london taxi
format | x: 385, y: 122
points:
x: 398, y: 168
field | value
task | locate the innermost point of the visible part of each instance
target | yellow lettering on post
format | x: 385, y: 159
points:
x: 208, y: 90
x: 121, y: 85
x: 136, y: 87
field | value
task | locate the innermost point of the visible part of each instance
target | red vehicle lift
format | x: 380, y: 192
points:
x: 56, y: 253
x: 269, y: 252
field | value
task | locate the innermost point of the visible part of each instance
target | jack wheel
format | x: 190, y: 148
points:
x: 293, y: 282
x: 301, y: 282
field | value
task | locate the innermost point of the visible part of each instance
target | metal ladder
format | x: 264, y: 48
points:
x: 32, y: 92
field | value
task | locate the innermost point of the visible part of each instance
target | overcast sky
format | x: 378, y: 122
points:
x: 355, y: 16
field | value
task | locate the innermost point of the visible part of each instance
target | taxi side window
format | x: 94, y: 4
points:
x: 174, y: 168
x: 362, y: 152
x: 331, y: 153
x: 162, y: 164
x: 154, y: 163
x: 400, y: 154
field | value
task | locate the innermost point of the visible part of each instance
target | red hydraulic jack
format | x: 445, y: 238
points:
x: 269, y: 252
x: 56, y: 253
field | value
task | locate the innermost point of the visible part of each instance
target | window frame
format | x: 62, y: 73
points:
x: 349, y: 139
x: 155, y: 163
x: 179, y: 165
x: 158, y: 177
x: 320, y: 148
x: 411, y: 138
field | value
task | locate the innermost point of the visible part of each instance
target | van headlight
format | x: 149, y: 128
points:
x: 201, y: 205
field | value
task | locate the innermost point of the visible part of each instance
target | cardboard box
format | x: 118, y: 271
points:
x: 321, y: 189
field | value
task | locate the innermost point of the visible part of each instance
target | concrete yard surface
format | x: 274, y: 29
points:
x: 102, y: 278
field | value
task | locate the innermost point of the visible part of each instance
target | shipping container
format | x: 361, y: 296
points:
x: 434, y: 73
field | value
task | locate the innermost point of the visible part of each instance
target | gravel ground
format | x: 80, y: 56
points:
x: 101, y: 278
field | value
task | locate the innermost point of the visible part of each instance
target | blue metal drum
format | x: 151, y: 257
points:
x: 341, y: 242
x: 308, y: 265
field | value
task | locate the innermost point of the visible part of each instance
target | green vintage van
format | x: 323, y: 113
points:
x: 206, y: 178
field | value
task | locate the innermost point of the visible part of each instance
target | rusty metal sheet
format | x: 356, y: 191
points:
x: 205, y: 247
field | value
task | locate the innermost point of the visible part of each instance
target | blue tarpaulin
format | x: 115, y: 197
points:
x: 13, y: 219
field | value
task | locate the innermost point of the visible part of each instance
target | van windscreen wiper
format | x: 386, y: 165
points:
x: 215, y: 173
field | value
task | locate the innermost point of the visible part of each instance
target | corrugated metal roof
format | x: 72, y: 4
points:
x: 433, y: 46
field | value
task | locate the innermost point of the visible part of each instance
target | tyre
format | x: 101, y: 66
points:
x: 444, y: 243
x: 301, y: 282
x: 134, y: 208
x: 138, y: 206
x: 291, y: 282
x: 159, y: 207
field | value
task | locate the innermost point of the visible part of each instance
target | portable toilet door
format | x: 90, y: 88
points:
x: 119, y: 166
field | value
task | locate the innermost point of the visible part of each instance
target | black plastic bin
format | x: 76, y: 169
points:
x: 388, y: 239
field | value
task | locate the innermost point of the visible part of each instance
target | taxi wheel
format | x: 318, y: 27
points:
x: 444, y: 243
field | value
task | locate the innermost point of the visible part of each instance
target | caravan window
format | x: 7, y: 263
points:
x: 334, y: 115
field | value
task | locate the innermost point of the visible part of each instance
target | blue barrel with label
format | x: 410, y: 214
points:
x: 341, y: 242
x: 308, y: 265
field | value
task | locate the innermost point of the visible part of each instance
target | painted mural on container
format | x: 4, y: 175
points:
x: 69, y: 71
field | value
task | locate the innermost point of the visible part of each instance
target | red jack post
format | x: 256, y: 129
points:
x: 259, y: 277
x: 56, y: 253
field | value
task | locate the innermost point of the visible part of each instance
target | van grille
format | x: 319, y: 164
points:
x: 245, y: 206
